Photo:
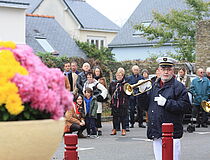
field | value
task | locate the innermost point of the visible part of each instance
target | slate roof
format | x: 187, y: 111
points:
x: 33, y: 4
x: 56, y: 36
x: 90, y: 18
x: 13, y: 4
x: 143, y: 13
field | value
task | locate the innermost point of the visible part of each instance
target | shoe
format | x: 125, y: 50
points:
x: 94, y: 136
x: 204, y: 126
x: 99, y: 133
x: 81, y: 136
x: 191, y: 128
x: 142, y: 126
x: 198, y: 126
x: 132, y: 126
x: 123, y: 132
x: 127, y: 130
x: 114, y: 132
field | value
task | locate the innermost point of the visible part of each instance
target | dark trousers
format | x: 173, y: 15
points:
x: 140, y: 114
x: 117, y: 120
x: 200, y: 114
x: 98, y: 121
x: 127, y: 121
x: 132, y: 110
x: 91, y: 125
x: 76, y: 127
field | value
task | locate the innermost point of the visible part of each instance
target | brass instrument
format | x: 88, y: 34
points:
x: 143, y: 86
x: 206, y: 106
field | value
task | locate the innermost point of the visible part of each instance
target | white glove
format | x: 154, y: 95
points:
x: 161, y: 101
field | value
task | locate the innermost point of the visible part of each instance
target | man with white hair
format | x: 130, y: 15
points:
x: 82, y: 77
x: 134, y: 102
x: 167, y: 102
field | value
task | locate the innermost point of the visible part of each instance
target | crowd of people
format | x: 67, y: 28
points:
x: 166, y: 102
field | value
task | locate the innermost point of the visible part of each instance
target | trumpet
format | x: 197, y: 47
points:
x: 205, y: 105
x: 143, y: 86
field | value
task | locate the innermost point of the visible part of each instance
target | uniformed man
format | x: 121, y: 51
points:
x: 167, y: 102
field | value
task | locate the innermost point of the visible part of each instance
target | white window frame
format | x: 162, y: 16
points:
x: 45, y: 44
x: 97, y: 40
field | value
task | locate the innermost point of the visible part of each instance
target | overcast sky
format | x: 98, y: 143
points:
x: 116, y: 10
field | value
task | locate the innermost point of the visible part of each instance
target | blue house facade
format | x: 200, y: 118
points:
x: 129, y: 44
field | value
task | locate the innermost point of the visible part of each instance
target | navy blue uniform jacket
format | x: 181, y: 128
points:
x: 176, y: 105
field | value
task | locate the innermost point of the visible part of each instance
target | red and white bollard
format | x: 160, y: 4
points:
x: 71, y: 140
x: 167, y: 141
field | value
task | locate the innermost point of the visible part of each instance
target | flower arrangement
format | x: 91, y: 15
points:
x: 28, y: 88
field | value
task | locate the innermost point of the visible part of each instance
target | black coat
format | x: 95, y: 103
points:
x: 176, y: 105
x: 81, y: 81
x: 119, y: 100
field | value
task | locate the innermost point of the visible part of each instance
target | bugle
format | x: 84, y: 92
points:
x: 142, y: 85
x: 205, y: 105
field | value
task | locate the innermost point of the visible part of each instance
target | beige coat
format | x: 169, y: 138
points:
x: 72, y: 117
x: 67, y: 84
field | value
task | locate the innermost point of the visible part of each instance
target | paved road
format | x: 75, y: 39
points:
x: 135, y: 146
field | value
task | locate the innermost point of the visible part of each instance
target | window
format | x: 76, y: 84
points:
x: 138, y: 33
x: 92, y: 41
x: 97, y: 44
x: 98, y: 41
x: 45, y: 45
x: 102, y: 43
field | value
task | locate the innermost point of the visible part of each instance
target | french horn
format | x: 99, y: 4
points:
x: 142, y: 86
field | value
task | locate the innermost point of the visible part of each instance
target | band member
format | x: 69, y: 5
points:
x: 167, y: 102
x: 200, y: 88
x: 134, y: 102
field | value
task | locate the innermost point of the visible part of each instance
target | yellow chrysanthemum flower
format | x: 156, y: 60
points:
x: 8, y: 44
x: 9, y: 66
x: 3, y: 96
x: 14, y: 104
x: 6, y: 90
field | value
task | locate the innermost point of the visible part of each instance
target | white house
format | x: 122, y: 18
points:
x: 42, y: 33
x: 12, y: 17
x: 80, y: 20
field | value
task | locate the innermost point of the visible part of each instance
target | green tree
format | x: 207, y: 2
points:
x: 104, y: 54
x: 178, y: 27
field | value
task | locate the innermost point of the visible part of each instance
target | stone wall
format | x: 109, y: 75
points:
x: 203, y: 45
